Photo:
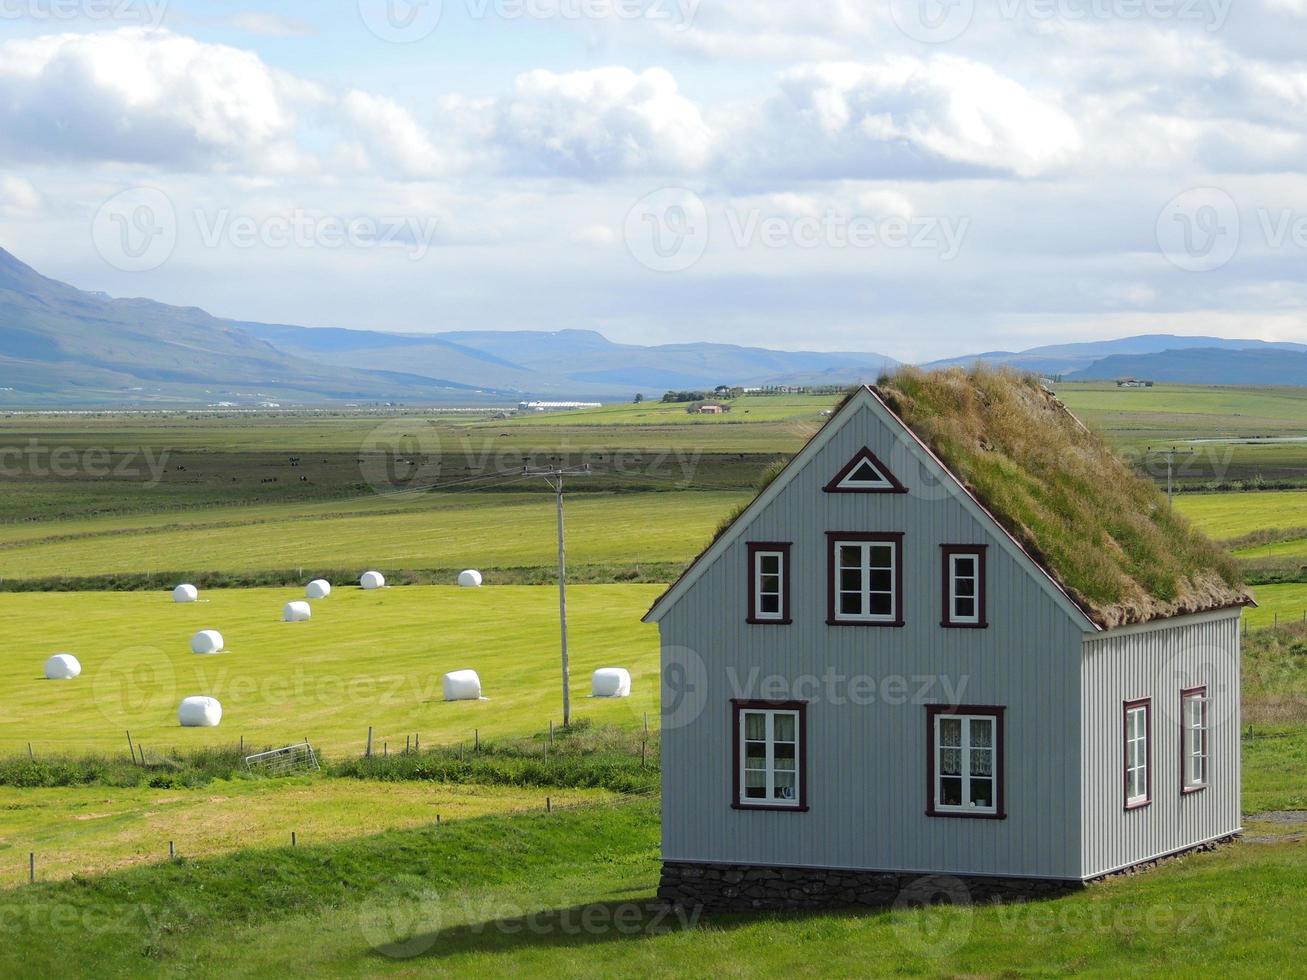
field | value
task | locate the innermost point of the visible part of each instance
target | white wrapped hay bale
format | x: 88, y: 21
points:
x: 296, y: 612
x: 372, y: 580
x: 206, y: 642
x: 471, y: 579
x: 62, y: 667
x: 185, y: 593
x: 462, y: 685
x: 611, y: 682
x: 319, y: 588
x: 200, y: 712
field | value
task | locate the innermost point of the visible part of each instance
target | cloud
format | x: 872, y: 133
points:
x: 142, y: 96
x: 907, y: 117
x: 19, y: 196
x: 598, y: 123
x: 395, y: 141
x: 273, y: 25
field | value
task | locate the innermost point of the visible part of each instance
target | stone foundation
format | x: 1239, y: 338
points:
x: 747, y: 888
x: 751, y: 888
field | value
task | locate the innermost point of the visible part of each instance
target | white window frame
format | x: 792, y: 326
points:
x: 1193, y: 740
x: 865, y: 592
x: 965, y: 749
x: 954, y: 619
x: 850, y: 482
x: 1138, y: 753
x: 771, y: 799
x: 758, y: 558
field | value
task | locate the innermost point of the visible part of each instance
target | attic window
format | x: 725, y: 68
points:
x: 865, y: 473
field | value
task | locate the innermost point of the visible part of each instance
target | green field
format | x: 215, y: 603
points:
x: 365, y: 659
x: 429, y: 531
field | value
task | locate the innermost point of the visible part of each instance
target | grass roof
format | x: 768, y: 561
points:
x: 1103, y: 531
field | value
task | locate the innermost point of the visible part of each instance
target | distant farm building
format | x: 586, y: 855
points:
x: 1133, y: 383
x: 713, y: 408
x: 556, y: 406
x: 892, y: 665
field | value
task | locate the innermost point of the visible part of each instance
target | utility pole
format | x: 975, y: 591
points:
x: 553, y: 476
x: 1170, y: 455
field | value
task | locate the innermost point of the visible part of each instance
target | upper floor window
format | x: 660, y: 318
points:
x: 965, y: 755
x: 865, y: 578
x: 769, y: 582
x: 865, y: 473
x: 1138, y: 753
x: 1193, y: 739
x: 964, y: 585
x: 769, y: 758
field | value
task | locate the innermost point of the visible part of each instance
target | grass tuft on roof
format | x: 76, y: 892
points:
x: 1103, y: 531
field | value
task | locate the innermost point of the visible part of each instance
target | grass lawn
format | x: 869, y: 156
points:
x: 1288, y: 602
x: 569, y: 893
x: 97, y: 829
x: 365, y: 659
x: 456, y: 530
x: 1226, y: 516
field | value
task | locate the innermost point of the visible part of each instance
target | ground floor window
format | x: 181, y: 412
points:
x: 965, y: 755
x: 769, y: 761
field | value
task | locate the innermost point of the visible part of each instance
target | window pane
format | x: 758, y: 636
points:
x: 882, y: 604
x: 755, y: 755
x: 784, y: 727
x: 950, y: 731
x: 882, y: 556
x: 755, y: 785
x: 851, y: 580
x: 882, y: 580
x: 785, y: 786
x: 755, y: 725
x: 964, y: 566
x: 769, y: 564
x: 964, y: 588
x: 769, y: 605
x: 950, y: 791
x: 950, y: 762
x: 965, y: 608
x: 982, y: 732
x: 850, y: 556
x: 982, y: 792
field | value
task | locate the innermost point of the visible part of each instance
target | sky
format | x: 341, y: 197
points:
x: 919, y: 178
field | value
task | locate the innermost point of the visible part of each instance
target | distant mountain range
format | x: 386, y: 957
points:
x: 63, y: 347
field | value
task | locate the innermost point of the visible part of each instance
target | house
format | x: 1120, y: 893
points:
x: 712, y: 408
x: 956, y: 636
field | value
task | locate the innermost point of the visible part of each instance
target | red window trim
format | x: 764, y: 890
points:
x: 893, y: 537
x: 1184, y: 761
x: 754, y: 547
x: 740, y: 704
x: 996, y: 711
x: 947, y: 551
x: 865, y: 454
x: 1125, y: 753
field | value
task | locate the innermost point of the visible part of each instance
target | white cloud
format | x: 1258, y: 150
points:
x: 19, y: 196
x: 904, y: 116
x: 601, y: 122
x: 141, y: 96
x: 273, y: 25
x: 395, y: 141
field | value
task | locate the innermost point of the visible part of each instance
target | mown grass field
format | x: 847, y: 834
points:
x: 570, y: 893
x: 429, y: 531
x: 95, y: 830
x: 365, y: 659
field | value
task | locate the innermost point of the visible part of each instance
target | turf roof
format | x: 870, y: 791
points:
x: 1101, y: 530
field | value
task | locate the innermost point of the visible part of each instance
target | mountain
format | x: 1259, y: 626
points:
x: 62, y: 345
x: 1065, y: 359
x: 1264, y: 365
x: 570, y: 363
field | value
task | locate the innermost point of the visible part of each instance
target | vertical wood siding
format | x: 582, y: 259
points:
x: 1158, y: 664
x: 866, y: 762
